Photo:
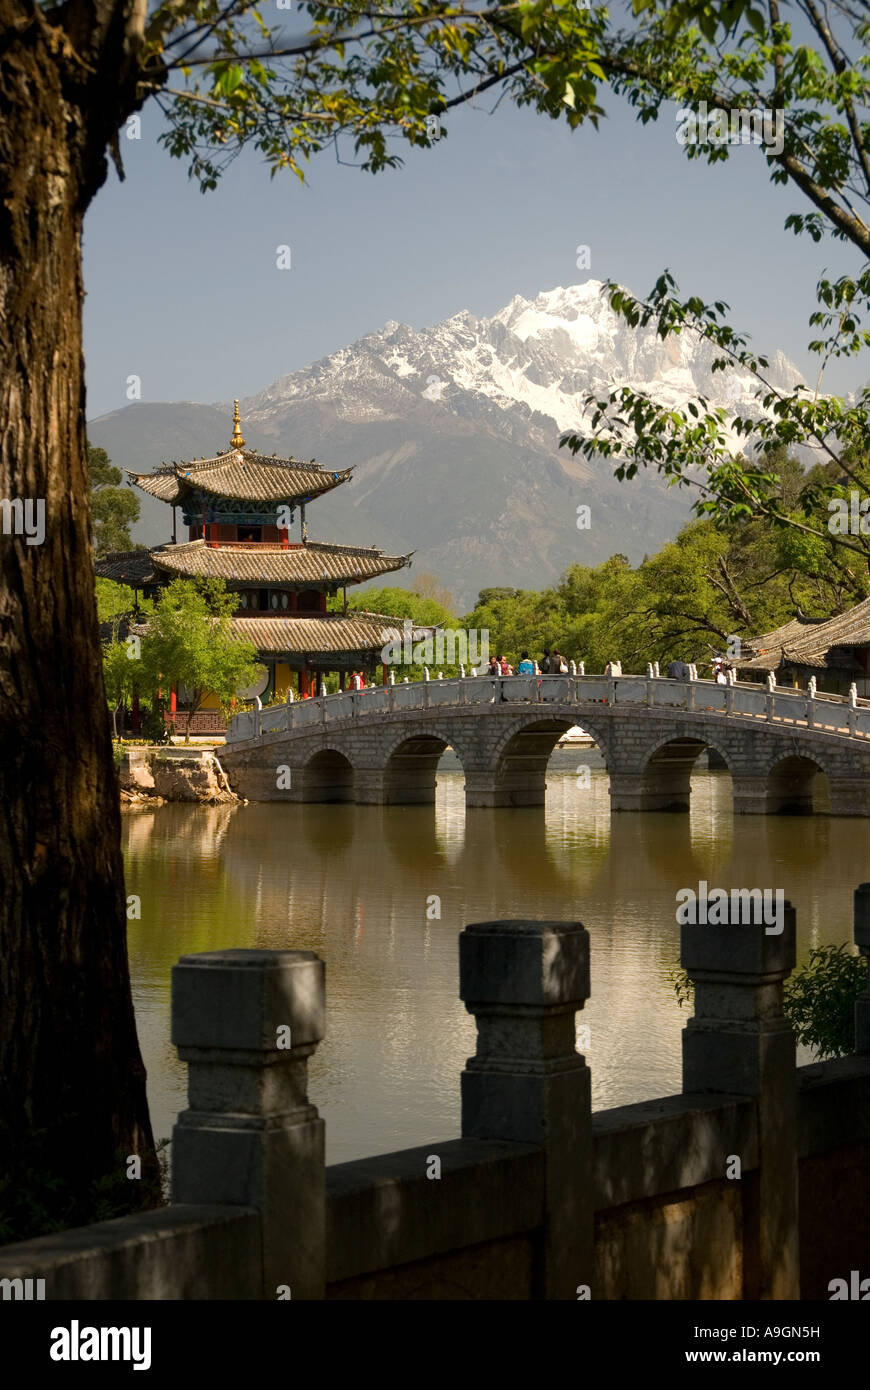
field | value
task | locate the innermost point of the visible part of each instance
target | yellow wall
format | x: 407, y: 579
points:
x: 283, y: 679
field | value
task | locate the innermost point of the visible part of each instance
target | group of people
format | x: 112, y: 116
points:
x: 679, y: 670
x: 551, y: 664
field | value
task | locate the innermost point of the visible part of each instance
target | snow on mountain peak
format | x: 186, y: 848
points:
x: 535, y: 358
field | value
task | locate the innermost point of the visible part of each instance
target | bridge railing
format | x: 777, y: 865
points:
x: 831, y: 713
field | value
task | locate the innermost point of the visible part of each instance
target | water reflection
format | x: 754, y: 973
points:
x: 359, y: 885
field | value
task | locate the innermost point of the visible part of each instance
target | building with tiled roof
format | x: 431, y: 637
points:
x: 239, y: 510
x: 834, y: 650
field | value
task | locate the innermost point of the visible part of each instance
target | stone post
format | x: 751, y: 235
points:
x: 862, y: 941
x: 853, y: 706
x: 524, y: 982
x: 246, y: 1023
x: 740, y: 1043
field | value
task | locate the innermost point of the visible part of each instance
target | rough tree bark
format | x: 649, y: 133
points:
x: 72, y: 1081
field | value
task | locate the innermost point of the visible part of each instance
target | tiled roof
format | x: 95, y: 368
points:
x: 316, y: 635
x: 316, y: 562
x: 133, y: 567
x: 242, y: 475
x: 333, y: 633
x: 805, y: 642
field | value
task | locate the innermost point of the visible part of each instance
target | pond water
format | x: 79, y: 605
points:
x: 356, y: 884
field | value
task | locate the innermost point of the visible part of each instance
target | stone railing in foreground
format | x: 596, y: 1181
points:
x: 751, y: 1183
x: 783, y: 707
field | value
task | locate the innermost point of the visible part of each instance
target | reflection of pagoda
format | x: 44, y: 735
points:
x: 239, y: 509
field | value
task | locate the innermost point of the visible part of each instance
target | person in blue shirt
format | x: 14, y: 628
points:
x: 526, y: 666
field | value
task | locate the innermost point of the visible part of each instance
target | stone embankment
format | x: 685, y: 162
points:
x: 152, y: 776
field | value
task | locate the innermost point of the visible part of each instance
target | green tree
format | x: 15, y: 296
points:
x: 114, y: 509
x: 519, y: 620
x: 122, y: 673
x: 190, y: 642
x: 400, y: 603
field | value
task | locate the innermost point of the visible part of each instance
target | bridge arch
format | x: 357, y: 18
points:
x: 328, y: 775
x: 792, y: 788
x: 522, y: 755
x: 411, y: 765
x: 666, y: 779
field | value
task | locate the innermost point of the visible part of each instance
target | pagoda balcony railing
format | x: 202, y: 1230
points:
x: 741, y: 700
x: 256, y: 545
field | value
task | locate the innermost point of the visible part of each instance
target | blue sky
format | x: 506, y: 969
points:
x: 183, y: 288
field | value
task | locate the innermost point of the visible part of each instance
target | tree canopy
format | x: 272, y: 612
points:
x: 114, y: 509
x: 190, y: 642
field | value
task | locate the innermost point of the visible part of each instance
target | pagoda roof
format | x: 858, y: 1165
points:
x: 819, y: 643
x: 243, y: 476
x: 132, y: 567
x: 313, y: 636
x: 332, y: 632
x: 313, y: 562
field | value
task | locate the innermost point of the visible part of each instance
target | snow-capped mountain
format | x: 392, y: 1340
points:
x: 543, y: 356
x: 454, y: 434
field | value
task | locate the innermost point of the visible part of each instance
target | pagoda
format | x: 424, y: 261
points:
x: 239, y: 509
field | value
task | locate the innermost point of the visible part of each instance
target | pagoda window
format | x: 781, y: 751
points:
x: 274, y: 601
x: 250, y: 533
x: 285, y: 600
x: 309, y: 601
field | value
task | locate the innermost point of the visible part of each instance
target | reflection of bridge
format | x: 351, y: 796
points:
x: 382, y: 745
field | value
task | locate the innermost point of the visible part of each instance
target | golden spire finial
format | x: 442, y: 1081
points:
x: 237, y: 442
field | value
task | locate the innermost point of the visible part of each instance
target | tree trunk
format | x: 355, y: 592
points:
x: 72, y: 1081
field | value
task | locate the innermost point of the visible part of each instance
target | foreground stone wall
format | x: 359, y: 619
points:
x: 752, y: 1183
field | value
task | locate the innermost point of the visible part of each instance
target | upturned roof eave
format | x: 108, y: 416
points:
x: 173, y: 482
x: 218, y: 564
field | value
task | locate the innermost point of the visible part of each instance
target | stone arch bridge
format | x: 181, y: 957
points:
x: 382, y: 745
